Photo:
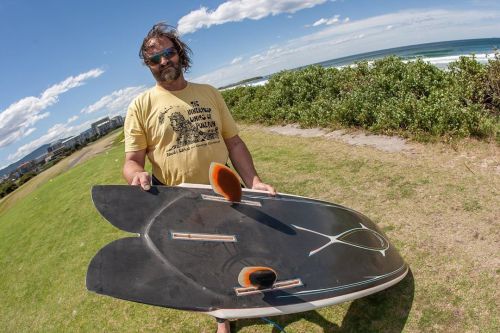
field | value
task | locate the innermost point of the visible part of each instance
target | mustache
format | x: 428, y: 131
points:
x: 168, y: 64
x: 168, y: 67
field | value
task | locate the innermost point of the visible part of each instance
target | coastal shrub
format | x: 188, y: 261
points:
x: 7, y: 187
x: 24, y: 178
x: 244, y: 103
x: 492, y: 90
x: 469, y: 76
x: 388, y: 95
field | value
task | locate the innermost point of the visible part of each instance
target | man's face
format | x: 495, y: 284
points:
x: 169, y: 69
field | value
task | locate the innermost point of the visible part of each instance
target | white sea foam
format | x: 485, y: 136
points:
x: 482, y: 58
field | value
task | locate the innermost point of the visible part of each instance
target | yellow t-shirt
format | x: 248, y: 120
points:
x: 182, y: 131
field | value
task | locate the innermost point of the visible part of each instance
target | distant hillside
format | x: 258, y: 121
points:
x: 38, y: 152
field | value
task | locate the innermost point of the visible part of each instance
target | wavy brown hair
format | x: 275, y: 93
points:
x: 163, y: 30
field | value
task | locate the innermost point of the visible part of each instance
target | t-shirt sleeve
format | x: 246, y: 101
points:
x: 229, y: 128
x: 135, y: 137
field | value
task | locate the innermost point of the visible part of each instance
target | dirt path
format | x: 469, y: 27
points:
x: 91, y: 150
x: 484, y: 160
x: 381, y: 142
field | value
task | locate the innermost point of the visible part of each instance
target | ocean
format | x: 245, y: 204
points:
x: 439, y: 54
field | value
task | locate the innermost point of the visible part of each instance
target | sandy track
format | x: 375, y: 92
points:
x: 91, y: 150
x: 381, y: 142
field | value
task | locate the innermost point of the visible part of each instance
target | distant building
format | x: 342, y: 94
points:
x: 117, y: 121
x: 56, y: 152
x: 58, y: 147
x: 106, y: 125
x: 55, y: 145
x: 26, y: 167
x: 102, y: 127
x: 14, y: 175
x: 41, y: 159
x: 70, y: 142
x: 87, y: 135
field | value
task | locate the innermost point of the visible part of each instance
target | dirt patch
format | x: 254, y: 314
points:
x: 382, y: 142
x: 91, y: 150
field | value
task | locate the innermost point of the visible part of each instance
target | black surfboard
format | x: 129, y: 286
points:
x: 191, y: 246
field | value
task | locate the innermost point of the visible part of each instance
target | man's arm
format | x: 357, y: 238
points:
x: 242, y: 161
x: 133, y: 169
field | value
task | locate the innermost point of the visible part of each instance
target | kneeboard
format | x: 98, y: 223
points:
x: 192, y: 246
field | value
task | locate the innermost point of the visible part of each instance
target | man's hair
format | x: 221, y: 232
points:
x: 163, y: 30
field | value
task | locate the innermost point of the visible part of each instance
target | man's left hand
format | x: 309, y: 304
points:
x: 264, y: 187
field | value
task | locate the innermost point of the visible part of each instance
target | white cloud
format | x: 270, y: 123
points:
x: 72, y: 119
x: 236, y: 60
x: 319, y: 22
x: 413, y: 27
x: 329, y: 21
x: 239, y: 10
x: 17, y: 120
x: 117, y: 101
x: 29, y: 131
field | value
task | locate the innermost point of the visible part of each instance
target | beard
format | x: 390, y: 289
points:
x: 167, y: 73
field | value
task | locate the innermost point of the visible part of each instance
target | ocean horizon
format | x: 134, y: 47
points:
x: 439, y: 54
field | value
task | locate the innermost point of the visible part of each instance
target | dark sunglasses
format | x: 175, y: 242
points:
x: 167, y: 53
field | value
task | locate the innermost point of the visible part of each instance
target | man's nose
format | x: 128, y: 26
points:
x: 164, y: 60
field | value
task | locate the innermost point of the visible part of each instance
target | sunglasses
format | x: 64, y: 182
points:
x: 168, y: 53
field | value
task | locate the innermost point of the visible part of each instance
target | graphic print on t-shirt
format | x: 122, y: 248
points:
x: 198, y: 130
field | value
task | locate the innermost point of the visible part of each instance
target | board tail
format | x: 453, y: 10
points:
x: 129, y: 270
x: 225, y: 182
x: 130, y: 208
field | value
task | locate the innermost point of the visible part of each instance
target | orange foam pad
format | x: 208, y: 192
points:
x: 244, y: 276
x: 225, y: 182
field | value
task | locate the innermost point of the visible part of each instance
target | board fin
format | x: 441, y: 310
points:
x: 257, y: 276
x: 225, y: 182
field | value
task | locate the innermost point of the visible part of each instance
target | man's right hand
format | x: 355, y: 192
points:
x: 142, y: 179
x: 133, y: 169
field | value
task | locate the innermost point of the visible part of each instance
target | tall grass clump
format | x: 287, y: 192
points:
x: 387, y: 96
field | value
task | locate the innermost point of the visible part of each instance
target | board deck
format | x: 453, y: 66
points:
x: 191, y: 245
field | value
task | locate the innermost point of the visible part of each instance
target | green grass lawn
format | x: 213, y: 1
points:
x: 438, y: 205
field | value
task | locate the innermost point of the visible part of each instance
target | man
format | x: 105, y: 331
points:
x: 181, y: 126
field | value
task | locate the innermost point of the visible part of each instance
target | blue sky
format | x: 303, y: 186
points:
x: 65, y: 64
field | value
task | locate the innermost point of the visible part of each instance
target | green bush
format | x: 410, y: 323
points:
x: 25, y: 177
x: 387, y: 96
x: 7, y: 187
x: 492, y: 90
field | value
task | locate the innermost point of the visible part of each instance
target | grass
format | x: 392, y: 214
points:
x: 438, y: 205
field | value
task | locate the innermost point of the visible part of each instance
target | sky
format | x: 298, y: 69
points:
x: 65, y: 64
